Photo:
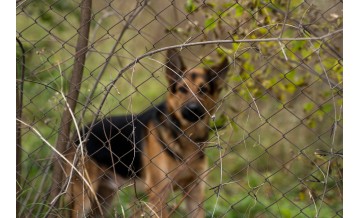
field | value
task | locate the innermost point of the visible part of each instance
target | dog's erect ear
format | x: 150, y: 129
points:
x: 174, y: 67
x: 218, y: 73
x: 221, y: 69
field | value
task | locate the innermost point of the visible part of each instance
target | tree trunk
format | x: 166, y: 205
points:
x: 71, y: 98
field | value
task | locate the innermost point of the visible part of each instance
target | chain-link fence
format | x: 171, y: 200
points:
x: 274, y: 145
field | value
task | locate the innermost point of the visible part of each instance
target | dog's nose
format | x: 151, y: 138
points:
x: 193, y: 111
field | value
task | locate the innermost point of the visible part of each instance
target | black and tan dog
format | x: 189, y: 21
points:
x: 162, y: 148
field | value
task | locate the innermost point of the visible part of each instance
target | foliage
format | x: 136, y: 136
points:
x: 295, y: 81
x: 281, y: 107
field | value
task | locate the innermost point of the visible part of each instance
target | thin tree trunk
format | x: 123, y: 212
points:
x: 75, y: 84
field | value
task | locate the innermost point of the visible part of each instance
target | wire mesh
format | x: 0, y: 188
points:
x: 275, y: 143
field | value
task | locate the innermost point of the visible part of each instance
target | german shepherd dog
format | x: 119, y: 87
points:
x: 162, y: 148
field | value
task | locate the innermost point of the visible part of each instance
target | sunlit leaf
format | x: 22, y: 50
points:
x: 308, y: 107
x: 190, y: 6
x: 327, y: 107
x: 210, y: 23
x: 238, y: 10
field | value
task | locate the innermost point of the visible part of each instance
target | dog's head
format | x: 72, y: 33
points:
x: 193, y: 93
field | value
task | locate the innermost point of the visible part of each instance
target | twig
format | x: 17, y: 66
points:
x: 54, y: 149
x: 112, y: 52
x: 105, y: 15
x: 283, y: 28
x: 326, y: 177
x: 221, y: 162
x: 150, y: 208
x: 306, y: 27
x: 79, y: 62
x: 286, y: 16
x: 313, y: 200
x: 81, y: 147
x: 85, y: 177
x: 20, y: 2
x: 110, y: 85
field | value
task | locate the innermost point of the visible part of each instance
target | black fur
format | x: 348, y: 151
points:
x: 155, y: 145
x: 111, y: 142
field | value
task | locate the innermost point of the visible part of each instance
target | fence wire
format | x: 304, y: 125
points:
x: 275, y: 142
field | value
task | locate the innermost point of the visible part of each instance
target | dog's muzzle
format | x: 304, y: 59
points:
x: 193, y: 112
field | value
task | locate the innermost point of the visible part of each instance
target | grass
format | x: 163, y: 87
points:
x: 268, y: 166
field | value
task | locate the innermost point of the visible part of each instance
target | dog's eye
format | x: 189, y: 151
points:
x: 182, y: 89
x: 204, y: 89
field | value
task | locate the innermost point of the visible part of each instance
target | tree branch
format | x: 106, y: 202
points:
x: 181, y: 46
x: 75, y: 83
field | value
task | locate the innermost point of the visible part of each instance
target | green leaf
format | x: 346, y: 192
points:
x: 290, y: 88
x: 327, y: 107
x: 291, y: 75
x: 208, y: 61
x: 285, y: 212
x: 311, y: 123
x: 222, y: 51
x: 298, y: 45
x: 236, y: 78
x: 308, y: 107
x: 210, y: 23
x: 190, y: 6
x: 238, y: 10
x: 320, y: 115
x: 339, y: 102
x: 227, y: 4
x: 234, y: 125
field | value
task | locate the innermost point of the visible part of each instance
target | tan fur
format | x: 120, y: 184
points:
x: 92, y: 188
x: 161, y: 172
x: 164, y: 174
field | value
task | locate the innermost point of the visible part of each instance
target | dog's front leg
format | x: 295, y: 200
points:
x: 158, y: 196
x: 194, y: 199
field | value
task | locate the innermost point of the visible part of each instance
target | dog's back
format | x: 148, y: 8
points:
x: 162, y: 147
x: 117, y: 141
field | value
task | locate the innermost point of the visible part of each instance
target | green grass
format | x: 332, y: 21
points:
x: 268, y: 167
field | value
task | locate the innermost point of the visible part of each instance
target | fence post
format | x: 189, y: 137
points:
x: 71, y: 98
x: 19, y: 106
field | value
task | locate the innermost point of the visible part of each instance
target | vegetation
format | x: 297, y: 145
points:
x: 276, y: 149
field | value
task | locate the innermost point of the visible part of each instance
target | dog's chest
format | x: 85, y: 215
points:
x: 187, y: 172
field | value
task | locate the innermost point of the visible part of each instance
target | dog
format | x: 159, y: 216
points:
x: 161, y: 149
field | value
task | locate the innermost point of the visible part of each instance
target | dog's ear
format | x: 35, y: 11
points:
x: 174, y: 67
x: 220, y: 70
x: 218, y: 73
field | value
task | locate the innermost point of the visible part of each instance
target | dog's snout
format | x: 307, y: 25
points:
x: 193, y: 111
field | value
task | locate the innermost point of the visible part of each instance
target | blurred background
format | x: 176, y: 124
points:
x: 276, y: 150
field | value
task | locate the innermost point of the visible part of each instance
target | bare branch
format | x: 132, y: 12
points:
x: 110, y: 85
x: 75, y: 83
